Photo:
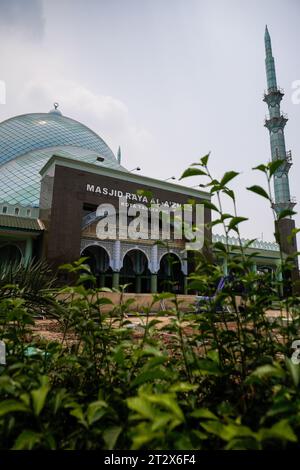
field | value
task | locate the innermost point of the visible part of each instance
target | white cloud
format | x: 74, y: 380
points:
x: 24, y: 19
x: 106, y: 115
x: 38, y: 78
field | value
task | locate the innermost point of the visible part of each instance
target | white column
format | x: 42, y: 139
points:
x: 116, y: 261
x: 154, y: 267
x: 184, y: 266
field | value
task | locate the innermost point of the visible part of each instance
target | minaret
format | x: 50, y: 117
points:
x: 275, y: 123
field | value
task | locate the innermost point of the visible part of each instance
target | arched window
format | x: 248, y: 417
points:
x: 170, y: 275
x: 135, y: 272
x: 98, y: 260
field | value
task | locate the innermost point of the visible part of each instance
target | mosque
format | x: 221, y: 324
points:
x: 50, y: 169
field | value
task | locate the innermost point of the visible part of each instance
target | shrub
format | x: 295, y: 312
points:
x: 199, y: 381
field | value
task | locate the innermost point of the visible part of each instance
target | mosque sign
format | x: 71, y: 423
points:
x: 129, y: 196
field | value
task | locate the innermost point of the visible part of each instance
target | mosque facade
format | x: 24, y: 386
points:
x: 54, y: 174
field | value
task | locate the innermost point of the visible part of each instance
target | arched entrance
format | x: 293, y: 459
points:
x: 135, y: 272
x: 10, y: 254
x: 98, y: 260
x: 170, y: 276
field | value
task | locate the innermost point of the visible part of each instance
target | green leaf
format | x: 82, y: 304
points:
x: 236, y: 221
x: 213, y: 354
x: 294, y: 370
x: 203, y: 413
x: 141, y: 406
x: 155, y: 361
x: 295, y: 231
x: 86, y: 278
x: 163, y: 296
x: 210, y: 205
x: 249, y: 243
x: 149, y: 376
x: 259, y: 190
x: 199, y: 434
x: 208, y: 367
x: 261, y: 167
x: 39, y: 396
x: 274, y: 166
x: 168, y: 401
x: 105, y: 289
x: 285, y: 213
x: 67, y: 267
x: 78, y: 414
x: 204, y: 160
x: 192, y: 172
x: 226, y: 216
x: 96, y: 410
x: 10, y: 406
x: 281, y: 430
x: 60, y: 398
x: 227, y: 432
x: 144, y: 436
x: 103, y: 301
x: 111, y: 436
x: 220, y: 246
x: 27, y: 440
x: 150, y: 351
x: 145, y: 193
x: 183, y: 387
x: 230, y: 193
x: 215, y: 222
x: 268, y: 370
x: 228, y: 176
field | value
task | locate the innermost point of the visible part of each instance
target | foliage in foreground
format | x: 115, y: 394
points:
x: 201, y: 381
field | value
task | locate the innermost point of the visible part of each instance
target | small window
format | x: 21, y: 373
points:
x: 28, y: 212
x: 4, y: 210
x: 17, y: 211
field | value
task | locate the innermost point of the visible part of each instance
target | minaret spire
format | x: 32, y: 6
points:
x: 275, y: 123
x: 270, y: 64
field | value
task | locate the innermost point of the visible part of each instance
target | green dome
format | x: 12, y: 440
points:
x: 22, y: 134
x: 20, y: 178
x: 28, y: 141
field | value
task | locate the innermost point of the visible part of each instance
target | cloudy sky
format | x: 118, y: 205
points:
x: 168, y: 80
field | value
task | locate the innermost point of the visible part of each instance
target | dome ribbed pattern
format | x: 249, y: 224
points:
x: 22, y: 134
x: 28, y: 141
x: 20, y: 179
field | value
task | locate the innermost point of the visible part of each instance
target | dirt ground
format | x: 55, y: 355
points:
x: 51, y: 329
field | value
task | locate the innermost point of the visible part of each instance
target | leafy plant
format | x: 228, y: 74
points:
x: 219, y: 379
